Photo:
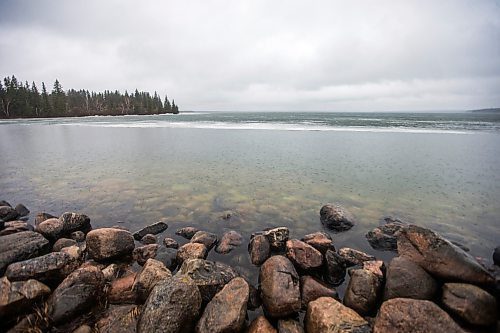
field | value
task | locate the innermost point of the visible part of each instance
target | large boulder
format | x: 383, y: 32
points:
x: 118, y: 319
x: 153, y: 272
x: 336, y: 217
x: 363, y: 291
x: 206, y: 238
x: 191, y: 251
x: 385, y: 237
x: 261, y: 325
x: 153, y: 229
x: 17, y: 298
x: 209, y: 276
x: 321, y: 241
x: 109, y: 243
x: 277, y: 237
x: 471, y: 303
x: 259, y: 249
x: 76, y: 294
x: 335, y: 268
x: 280, y: 289
x: 173, y: 306
x: 354, y: 257
x: 229, y: 241
x: 312, y: 289
x: 408, y: 280
x: 326, y: 315
x: 440, y: 257
x: 405, y: 315
x: 303, y: 255
x: 21, y: 246
x: 226, y: 312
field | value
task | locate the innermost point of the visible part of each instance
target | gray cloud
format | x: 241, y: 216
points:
x: 264, y: 55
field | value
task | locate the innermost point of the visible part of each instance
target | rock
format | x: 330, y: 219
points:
x: 254, y: 300
x: 363, y: 291
x: 226, y: 312
x: 280, y: 290
x: 40, y: 217
x: 384, y: 237
x: 187, y: 232
x: 336, y: 217
x: 76, y: 294
x: 170, y: 243
x: 229, y: 241
x: 121, y: 290
x: 17, y: 298
x: 15, y: 226
x: 78, y: 236
x: 154, y: 229
x: 376, y: 267
x: 22, y: 210
x: 206, y: 238
x: 61, y: 243
x: 302, y: 255
x: 52, y: 267
x: 148, y: 239
x: 153, y: 272
x: 405, y: 315
x: 143, y: 253
x: 8, y: 213
x: 335, y: 268
x: 75, y: 221
x: 312, y: 289
x: 471, y: 303
x: 354, y: 257
x: 328, y: 315
x: 108, y: 243
x: 289, y: 326
x: 407, y: 279
x: 321, y: 241
x: 84, y: 329
x: 209, y: 276
x: 496, y: 256
x: 51, y: 228
x: 259, y: 249
x: 173, y: 306
x: 191, y: 251
x: 261, y: 325
x: 439, y: 257
x: 5, y: 203
x: 119, y: 319
x: 277, y: 237
x: 110, y: 272
x: 2, y: 224
x: 168, y: 257
x: 21, y: 246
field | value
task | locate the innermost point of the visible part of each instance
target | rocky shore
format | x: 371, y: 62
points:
x: 61, y: 275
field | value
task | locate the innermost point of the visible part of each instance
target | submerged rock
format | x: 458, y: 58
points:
x: 153, y: 272
x: 22, y: 210
x: 335, y: 268
x: 153, y: 229
x: 109, y: 243
x: 191, y: 251
x: 17, y: 298
x: 206, y: 238
x: 353, y: 257
x: 261, y: 325
x: 259, y: 249
x: 277, y: 237
x: 303, y: 255
x: 229, y: 241
x: 21, y: 246
x: 312, y: 289
x: 385, y: 237
x: 363, y: 291
x: 336, y: 217
x: 187, y: 232
x: 321, y: 241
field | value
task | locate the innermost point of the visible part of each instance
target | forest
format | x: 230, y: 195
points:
x: 22, y: 100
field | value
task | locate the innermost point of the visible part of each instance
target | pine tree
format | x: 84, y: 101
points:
x: 166, y: 105
x: 46, y: 107
x: 58, y: 99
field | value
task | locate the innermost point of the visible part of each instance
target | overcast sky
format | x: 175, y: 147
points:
x: 264, y: 54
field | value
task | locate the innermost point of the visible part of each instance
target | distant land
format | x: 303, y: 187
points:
x: 22, y: 100
x: 490, y: 110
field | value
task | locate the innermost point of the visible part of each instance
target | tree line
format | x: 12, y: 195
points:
x: 20, y: 100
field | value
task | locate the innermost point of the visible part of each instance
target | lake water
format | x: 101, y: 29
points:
x: 268, y: 169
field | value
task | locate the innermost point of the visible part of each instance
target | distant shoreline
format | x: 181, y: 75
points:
x: 490, y: 110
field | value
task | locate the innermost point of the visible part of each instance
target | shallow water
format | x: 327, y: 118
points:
x: 440, y: 171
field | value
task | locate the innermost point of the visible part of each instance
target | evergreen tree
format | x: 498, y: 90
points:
x: 46, y: 107
x: 58, y: 99
x: 166, y: 105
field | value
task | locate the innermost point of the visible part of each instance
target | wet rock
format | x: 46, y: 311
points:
x: 289, y: 326
x: 170, y: 243
x: 51, y: 228
x: 191, y: 251
x: 259, y: 249
x: 405, y: 315
x: 496, y: 256
x: 15, y: 226
x: 121, y: 290
x: 173, y: 306
x: 277, y: 237
x: 154, y: 229
x: 5, y: 203
x: 363, y: 291
x: 78, y: 236
x: 8, y: 213
x: 229, y: 241
x: 62, y: 243
x: 209, y: 276
x: 335, y: 268
x: 471, y: 303
x: 110, y: 272
x: 143, y: 253
x: 279, y: 283
x: 18, y: 297
x: 336, y: 217
x: 385, y: 237
x: 321, y: 241
x: 148, y: 239
x: 22, y: 210
x: 354, y: 257
x: 168, y: 257
x: 206, y: 238
x: 376, y: 267
x: 21, y: 246
x: 302, y: 255
x: 52, y: 267
x: 40, y: 217
x: 109, y: 243
x: 407, y: 279
x: 261, y: 325
x: 439, y: 257
x: 153, y: 272
x: 328, y: 315
x: 226, y: 312
x: 119, y: 319
x: 76, y: 294
x: 312, y: 289
x: 187, y: 232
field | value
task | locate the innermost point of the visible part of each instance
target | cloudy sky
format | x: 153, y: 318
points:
x: 264, y: 54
